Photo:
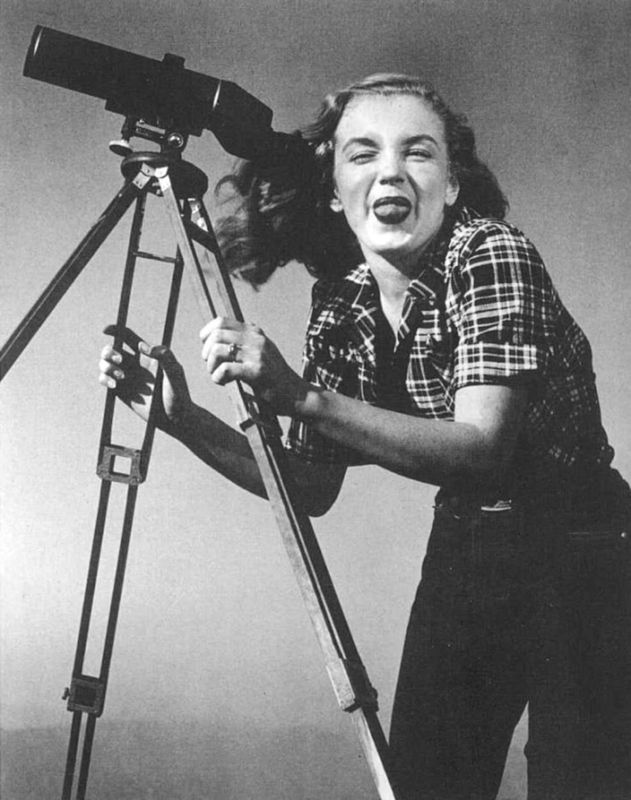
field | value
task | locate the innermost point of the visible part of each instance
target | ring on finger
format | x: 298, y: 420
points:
x: 233, y: 351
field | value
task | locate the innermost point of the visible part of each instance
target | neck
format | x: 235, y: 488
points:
x: 392, y: 283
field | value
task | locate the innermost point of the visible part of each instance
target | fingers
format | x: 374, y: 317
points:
x: 225, y: 363
x: 160, y: 353
x: 225, y: 343
x: 231, y: 349
x: 222, y: 346
x: 115, y: 365
x: 229, y: 331
x: 225, y: 372
x: 223, y: 324
x: 110, y: 370
x: 126, y: 336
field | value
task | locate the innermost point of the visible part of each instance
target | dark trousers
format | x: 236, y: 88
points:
x: 514, y: 608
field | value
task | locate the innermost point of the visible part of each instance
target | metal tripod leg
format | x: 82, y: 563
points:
x: 86, y: 695
x: 346, y: 671
x: 66, y: 276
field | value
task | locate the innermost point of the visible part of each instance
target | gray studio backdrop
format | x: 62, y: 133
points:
x: 217, y: 687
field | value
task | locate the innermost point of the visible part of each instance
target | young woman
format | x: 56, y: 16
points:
x: 439, y: 349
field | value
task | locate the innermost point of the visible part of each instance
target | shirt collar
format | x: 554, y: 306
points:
x: 354, y: 300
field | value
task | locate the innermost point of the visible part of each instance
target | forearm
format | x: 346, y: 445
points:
x: 429, y: 450
x: 228, y: 452
x: 219, y: 446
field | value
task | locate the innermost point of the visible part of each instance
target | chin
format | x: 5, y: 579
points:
x: 395, y: 248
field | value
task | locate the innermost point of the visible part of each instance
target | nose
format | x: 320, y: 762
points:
x: 390, y: 167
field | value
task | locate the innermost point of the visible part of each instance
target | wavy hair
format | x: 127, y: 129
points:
x: 282, y: 206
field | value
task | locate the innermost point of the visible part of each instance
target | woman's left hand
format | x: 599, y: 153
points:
x: 241, y: 351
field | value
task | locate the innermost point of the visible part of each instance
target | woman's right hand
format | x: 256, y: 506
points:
x: 128, y: 371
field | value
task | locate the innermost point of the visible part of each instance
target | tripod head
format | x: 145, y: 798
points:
x: 159, y: 93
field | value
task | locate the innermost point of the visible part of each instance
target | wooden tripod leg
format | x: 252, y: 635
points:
x: 343, y: 663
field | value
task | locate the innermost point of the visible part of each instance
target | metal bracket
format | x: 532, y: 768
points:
x: 105, y: 470
x: 256, y: 416
x: 352, y: 686
x: 86, y: 694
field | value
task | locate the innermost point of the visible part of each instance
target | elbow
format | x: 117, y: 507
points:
x: 316, y: 485
x: 317, y: 509
x: 488, y: 462
x: 317, y: 504
x: 479, y: 461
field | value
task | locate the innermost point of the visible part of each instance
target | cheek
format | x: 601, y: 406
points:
x: 348, y: 200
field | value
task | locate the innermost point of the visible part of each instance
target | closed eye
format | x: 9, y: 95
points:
x: 419, y: 153
x: 362, y: 156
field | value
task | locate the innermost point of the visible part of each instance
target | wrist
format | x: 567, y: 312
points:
x: 311, y: 403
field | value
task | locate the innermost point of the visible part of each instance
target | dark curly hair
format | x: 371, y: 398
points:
x: 282, y: 209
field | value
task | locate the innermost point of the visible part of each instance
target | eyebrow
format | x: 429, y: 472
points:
x: 366, y: 141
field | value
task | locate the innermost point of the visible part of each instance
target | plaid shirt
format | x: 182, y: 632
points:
x: 482, y: 310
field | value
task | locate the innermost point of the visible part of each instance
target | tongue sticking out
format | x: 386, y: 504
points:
x: 391, y: 211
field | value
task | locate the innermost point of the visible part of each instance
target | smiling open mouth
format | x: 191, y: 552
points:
x: 392, y: 210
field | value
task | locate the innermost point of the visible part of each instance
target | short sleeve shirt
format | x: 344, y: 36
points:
x: 482, y: 310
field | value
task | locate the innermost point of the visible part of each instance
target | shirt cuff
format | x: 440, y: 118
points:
x: 484, y: 362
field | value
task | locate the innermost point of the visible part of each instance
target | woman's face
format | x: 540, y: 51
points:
x: 391, y: 175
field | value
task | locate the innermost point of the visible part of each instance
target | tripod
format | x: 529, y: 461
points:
x: 182, y: 186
